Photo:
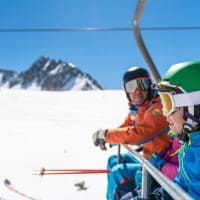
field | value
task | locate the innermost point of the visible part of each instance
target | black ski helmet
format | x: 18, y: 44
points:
x: 134, y: 73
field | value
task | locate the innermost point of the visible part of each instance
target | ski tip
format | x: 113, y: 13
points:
x: 7, y: 182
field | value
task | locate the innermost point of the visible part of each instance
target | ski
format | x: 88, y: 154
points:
x: 1, y: 198
x: 12, y: 188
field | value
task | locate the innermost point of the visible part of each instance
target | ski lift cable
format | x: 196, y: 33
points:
x: 95, y: 29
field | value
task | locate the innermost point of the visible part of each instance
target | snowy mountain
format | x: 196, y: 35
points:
x: 54, y: 130
x: 49, y: 74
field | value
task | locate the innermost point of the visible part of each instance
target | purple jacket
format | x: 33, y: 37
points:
x: 170, y: 157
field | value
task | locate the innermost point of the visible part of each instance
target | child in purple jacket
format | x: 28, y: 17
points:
x: 170, y: 159
x: 167, y: 163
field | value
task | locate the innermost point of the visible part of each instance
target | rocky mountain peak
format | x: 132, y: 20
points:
x: 49, y: 74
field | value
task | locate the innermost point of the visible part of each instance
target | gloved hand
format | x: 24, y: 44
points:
x: 159, y: 194
x: 99, y: 139
x: 156, y: 160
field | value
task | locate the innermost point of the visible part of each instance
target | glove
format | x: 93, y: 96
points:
x: 99, y: 139
x: 156, y: 160
x: 159, y: 194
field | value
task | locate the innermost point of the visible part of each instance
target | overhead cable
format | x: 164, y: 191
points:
x: 94, y: 29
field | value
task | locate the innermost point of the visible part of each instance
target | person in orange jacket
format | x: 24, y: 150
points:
x: 144, y: 124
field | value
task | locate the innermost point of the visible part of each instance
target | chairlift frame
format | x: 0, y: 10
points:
x: 148, y: 170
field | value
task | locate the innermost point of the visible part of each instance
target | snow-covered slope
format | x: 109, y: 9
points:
x: 49, y: 74
x: 54, y: 130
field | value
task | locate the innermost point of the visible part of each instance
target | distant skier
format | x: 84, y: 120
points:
x: 144, y: 124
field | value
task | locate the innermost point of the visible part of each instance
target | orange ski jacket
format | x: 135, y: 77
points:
x: 139, y: 127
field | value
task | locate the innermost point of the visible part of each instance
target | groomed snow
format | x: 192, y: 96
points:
x: 54, y: 130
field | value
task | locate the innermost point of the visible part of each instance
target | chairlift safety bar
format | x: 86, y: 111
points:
x: 170, y: 187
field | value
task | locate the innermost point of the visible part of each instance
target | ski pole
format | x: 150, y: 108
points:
x: 119, y: 157
x: 44, y: 171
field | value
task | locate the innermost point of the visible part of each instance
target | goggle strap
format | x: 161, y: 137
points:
x: 187, y: 99
x: 141, y: 85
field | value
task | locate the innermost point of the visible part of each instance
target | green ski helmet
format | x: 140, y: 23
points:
x: 183, y: 82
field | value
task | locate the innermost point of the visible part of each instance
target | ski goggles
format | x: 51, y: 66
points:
x: 141, y: 84
x: 168, y: 103
x: 171, y: 101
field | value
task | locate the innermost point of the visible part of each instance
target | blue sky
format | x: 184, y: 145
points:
x: 104, y: 55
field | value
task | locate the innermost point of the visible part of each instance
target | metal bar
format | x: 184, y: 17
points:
x: 170, y: 187
x: 146, y: 186
x: 119, y: 154
x: 140, y: 41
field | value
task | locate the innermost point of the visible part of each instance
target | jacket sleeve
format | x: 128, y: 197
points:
x: 126, y: 122
x: 179, y: 180
x: 189, y: 176
x: 151, y: 123
x: 194, y: 189
x: 170, y: 170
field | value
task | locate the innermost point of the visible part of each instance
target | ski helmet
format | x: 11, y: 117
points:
x: 135, y: 72
x: 183, y: 82
x: 139, y: 74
